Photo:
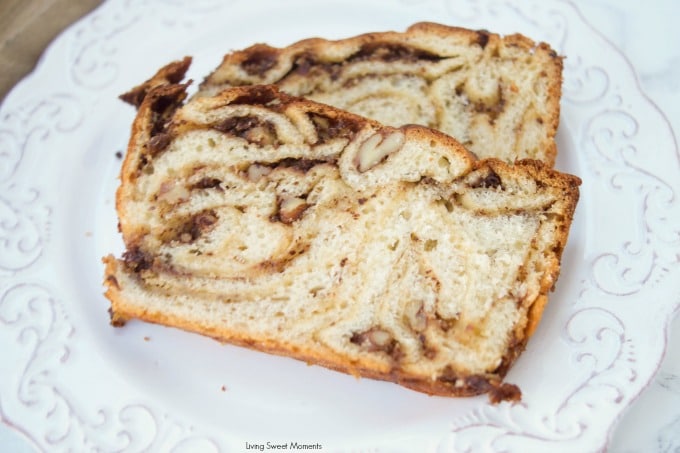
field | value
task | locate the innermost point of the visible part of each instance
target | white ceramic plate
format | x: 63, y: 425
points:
x: 69, y: 381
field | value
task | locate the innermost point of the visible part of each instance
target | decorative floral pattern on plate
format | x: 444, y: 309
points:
x: 70, y: 382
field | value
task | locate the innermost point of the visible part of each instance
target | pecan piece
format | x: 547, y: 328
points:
x: 377, y: 339
x: 376, y: 148
x: 291, y: 209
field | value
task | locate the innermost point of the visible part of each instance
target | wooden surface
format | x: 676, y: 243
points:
x: 27, y: 27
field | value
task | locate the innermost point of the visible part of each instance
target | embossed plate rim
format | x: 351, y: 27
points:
x: 39, y: 117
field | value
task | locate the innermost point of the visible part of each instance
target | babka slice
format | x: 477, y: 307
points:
x: 291, y: 227
x: 498, y: 96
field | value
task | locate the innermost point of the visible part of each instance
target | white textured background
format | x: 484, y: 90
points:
x: 648, y: 34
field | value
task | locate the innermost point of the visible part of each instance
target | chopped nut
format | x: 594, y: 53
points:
x: 172, y: 193
x: 428, y: 351
x: 376, y: 148
x: 257, y: 171
x: 375, y: 339
x: 291, y: 209
x: 251, y: 128
x: 379, y: 338
x: 328, y: 128
x: 262, y: 135
x: 159, y: 142
x: 193, y: 227
x: 417, y: 320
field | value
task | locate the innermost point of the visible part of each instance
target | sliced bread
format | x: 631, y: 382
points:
x: 289, y: 226
x: 498, y: 96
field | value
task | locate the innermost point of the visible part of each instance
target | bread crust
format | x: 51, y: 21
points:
x: 172, y: 73
x: 122, y: 311
x: 160, y: 113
